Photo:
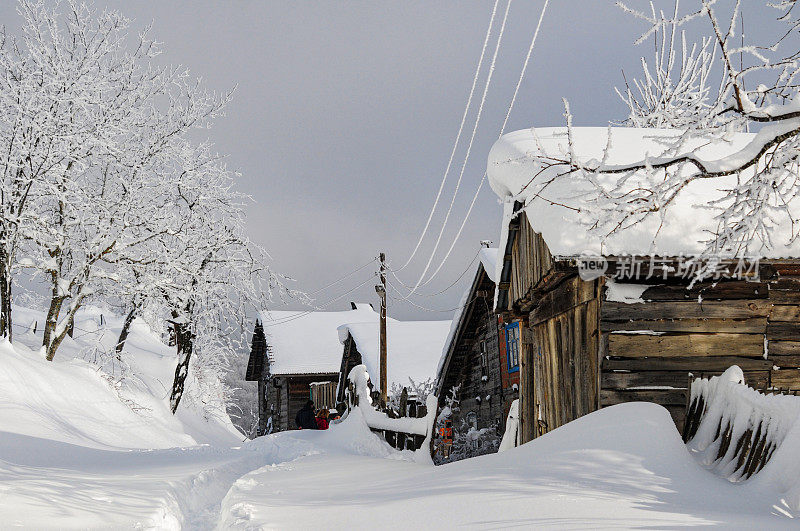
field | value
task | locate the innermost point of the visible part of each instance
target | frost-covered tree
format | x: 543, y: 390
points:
x: 120, y: 127
x: 708, y: 91
x: 107, y: 195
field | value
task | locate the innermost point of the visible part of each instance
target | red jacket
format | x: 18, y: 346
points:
x: 322, y: 424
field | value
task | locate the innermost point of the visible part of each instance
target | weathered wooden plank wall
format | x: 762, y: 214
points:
x: 581, y: 352
x: 531, y: 261
x: 559, y: 371
x: 704, y: 331
x: 564, y: 356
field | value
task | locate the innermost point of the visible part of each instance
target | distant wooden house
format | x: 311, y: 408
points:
x: 298, y: 359
x: 413, y: 349
x: 601, y: 325
x: 479, y: 368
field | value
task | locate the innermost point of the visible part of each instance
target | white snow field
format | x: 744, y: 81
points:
x: 622, y: 467
x: 82, y: 449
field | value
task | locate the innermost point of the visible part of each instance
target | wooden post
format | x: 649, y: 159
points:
x: 381, y: 289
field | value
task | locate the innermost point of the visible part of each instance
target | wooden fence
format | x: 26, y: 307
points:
x: 734, y: 428
x: 409, y: 429
x: 323, y: 394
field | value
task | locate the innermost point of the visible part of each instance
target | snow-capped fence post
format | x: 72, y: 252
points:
x: 415, y: 433
x: 735, y: 428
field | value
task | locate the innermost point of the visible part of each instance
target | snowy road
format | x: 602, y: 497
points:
x: 623, y: 467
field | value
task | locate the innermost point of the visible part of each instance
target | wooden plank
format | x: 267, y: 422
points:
x: 785, y: 284
x: 673, y: 397
x: 784, y: 296
x: 624, y: 380
x: 736, y: 309
x: 785, y: 313
x: 645, y: 345
x: 736, y: 289
x: 786, y: 378
x: 677, y: 379
x: 784, y: 348
x: 569, y: 294
x: 591, y: 348
x: 781, y: 331
x: 756, y: 325
x: 792, y: 361
x: 682, y: 363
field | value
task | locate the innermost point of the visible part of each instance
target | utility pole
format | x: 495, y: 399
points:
x: 381, y: 289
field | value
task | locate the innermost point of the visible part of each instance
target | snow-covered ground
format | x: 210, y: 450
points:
x: 622, y: 467
x: 80, y: 448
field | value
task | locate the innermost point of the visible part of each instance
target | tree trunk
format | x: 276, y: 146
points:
x: 126, y: 328
x: 185, y: 341
x: 50, y: 341
x: 5, y: 298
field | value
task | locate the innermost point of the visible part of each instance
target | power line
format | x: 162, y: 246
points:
x: 502, y: 130
x: 348, y: 275
x: 448, y: 310
x: 458, y: 136
x: 298, y: 315
x: 468, y: 268
x: 469, y: 146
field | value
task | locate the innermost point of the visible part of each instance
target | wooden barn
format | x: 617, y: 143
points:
x: 479, y: 367
x: 413, y: 349
x: 298, y: 359
x: 623, y: 320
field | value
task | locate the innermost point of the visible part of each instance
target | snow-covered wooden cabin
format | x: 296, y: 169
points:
x: 479, y: 366
x: 605, y: 321
x: 413, y: 350
x: 299, y: 360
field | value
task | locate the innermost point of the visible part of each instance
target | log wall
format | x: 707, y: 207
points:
x: 649, y: 349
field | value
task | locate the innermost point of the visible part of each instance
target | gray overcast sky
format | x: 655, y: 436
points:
x: 345, y: 113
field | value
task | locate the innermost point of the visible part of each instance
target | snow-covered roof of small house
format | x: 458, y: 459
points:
x: 308, y: 343
x: 413, y: 348
x: 553, y: 206
x: 488, y: 258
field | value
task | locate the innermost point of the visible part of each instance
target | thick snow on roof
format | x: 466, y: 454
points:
x: 513, y: 164
x: 413, y: 348
x: 309, y: 343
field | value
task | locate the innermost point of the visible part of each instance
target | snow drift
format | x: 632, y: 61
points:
x: 88, y: 397
x: 621, y: 467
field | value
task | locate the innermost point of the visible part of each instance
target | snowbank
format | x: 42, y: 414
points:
x: 87, y: 397
x: 773, y: 419
x: 622, y: 467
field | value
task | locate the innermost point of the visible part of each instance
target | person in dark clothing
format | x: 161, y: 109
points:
x: 305, y: 418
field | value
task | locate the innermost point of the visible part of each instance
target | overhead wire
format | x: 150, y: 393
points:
x: 298, y: 315
x: 458, y: 136
x: 348, y: 275
x: 448, y: 310
x: 464, y: 272
x: 469, y: 146
x: 502, y: 130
